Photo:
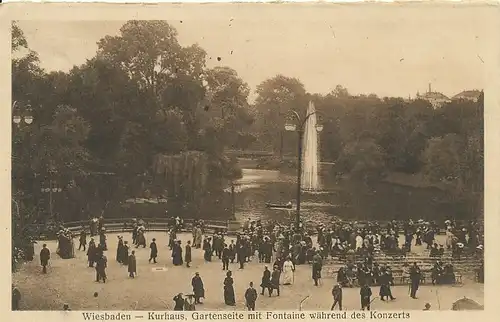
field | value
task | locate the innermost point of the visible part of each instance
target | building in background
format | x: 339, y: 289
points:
x: 472, y: 95
x: 436, y: 99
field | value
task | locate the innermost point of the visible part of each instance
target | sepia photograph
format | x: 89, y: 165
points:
x: 265, y: 157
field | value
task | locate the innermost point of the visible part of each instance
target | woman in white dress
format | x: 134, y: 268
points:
x: 288, y: 269
x: 449, y: 237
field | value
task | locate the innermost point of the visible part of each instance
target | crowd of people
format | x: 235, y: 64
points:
x: 281, y: 248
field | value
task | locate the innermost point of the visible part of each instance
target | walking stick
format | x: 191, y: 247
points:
x: 437, y: 296
x: 300, y: 304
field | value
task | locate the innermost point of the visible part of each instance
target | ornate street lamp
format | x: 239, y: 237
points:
x: 298, y: 127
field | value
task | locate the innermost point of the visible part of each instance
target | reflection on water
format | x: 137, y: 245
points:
x: 257, y: 187
x: 344, y: 200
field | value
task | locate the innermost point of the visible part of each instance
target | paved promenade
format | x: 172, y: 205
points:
x: 73, y: 282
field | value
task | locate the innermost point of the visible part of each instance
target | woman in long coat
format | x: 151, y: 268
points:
x: 207, y: 247
x: 229, y: 290
x: 124, y: 254
x: 177, y: 254
x: 119, y: 250
x: 91, y: 253
x: 102, y: 239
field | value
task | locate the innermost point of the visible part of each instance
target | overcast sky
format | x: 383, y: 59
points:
x: 390, y: 52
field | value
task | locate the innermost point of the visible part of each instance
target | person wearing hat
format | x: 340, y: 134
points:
x: 385, y: 280
x: 415, y: 276
x: 177, y: 254
x: 317, y: 266
x: 91, y: 253
x: 132, y: 265
x: 241, y: 253
x: 229, y: 298
x: 275, y: 281
x: 154, y: 251
x: 100, y: 268
x: 124, y: 255
x: 83, y: 240
x: 288, y: 271
x: 119, y: 250
x: 189, y: 303
x: 179, y: 302
x: 250, y: 297
x: 187, y: 254
x: 266, y: 281
x: 337, y: 296
x: 44, y: 258
x: 365, y: 293
x: 225, y: 254
x: 102, y: 239
x: 207, y: 247
x: 198, y: 289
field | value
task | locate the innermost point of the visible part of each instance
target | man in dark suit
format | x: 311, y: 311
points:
x: 251, y: 297
x: 226, y: 253
x: 415, y: 276
x: 154, y: 251
x: 365, y: 293
x: 44, y: 258
x: 337, y: 296
x: 187, y: 254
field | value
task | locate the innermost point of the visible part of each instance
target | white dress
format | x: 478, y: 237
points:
x: 359, y: 242
x: 287, y: 272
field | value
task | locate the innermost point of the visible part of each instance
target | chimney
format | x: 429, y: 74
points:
x: 430, y: 91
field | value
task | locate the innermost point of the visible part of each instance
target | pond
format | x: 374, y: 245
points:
x: 342, y: 199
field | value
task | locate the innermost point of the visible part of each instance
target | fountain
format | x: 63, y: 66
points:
x: 310, y: 156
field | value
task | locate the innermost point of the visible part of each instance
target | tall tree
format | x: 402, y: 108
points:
x: 275, y: 98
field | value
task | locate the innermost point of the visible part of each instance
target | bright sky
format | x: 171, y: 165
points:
x: 389, y: 52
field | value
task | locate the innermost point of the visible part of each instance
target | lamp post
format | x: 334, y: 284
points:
x: 18, y: 120
x: 50, y: 190
x: 298, y: 127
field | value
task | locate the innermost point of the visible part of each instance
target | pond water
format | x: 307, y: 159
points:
x: 342, y: 199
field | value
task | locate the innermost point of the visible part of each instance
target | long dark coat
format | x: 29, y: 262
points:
x: 44, y: 256
x: 275, y: 279
x: 154, y: 249
x: 119, y: 251
x: 266, y: 279
x: 177, y: 255
x: 229, y: 298
x: 187, y: 255
x: 132, y: 264
x: 198, y: 289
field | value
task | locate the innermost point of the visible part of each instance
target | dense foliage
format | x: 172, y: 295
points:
x: 100, y: 128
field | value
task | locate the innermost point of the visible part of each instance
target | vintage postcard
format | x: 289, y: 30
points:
x: 250, y: 161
